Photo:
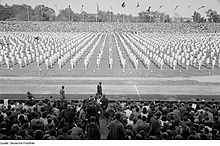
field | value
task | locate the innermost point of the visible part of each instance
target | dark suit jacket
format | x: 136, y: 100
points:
x: 99, y: 89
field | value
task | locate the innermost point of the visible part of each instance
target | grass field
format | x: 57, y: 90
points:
x: 136, y: 84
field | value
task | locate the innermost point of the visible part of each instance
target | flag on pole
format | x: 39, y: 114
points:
x: 175, y: 8
x: 123, y: 5
x: 201, y: 7
x: 161, y: 6
x: 138, y: 5
x: 97, y: 6
x: 149, y: 9
x: 82, y: 7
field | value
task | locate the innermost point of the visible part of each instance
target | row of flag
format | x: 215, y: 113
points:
x: 161, y: 6
x: 123, y: 5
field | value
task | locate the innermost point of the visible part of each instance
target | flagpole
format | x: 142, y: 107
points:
x: 110, y: 17
x: 82, y: 12
x: 28, y: 13
x: 42, y: 11
x: 69, y: 13
x: 56, y: 13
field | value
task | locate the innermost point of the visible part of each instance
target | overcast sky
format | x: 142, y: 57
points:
x: 90, y: 5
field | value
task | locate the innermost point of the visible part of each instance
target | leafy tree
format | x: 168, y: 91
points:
x: 43, y: 13
x: 196, y: 17
x: 213, y: 16
x: 5, y: 12
x: 21, y: 12
x: 167, y: 19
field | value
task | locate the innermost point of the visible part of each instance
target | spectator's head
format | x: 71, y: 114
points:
x: 12, y: 132
x: 92, y: 119
x: 142, y: 133
x: 44, y: 115
x: 144, y: 110
x: 138, y: 137
x: 178, y: 137
x: 127, y: 137
x: 1, y: 118
x: 134, y: 120
x: 65, y: 129
x: 158, y: 114
x: 18, y: 137
x: 38, y: 135
x: 137, y: 109
x: 53, y: 132
x: 164, y: 136
x: 118, y: 116
x: 144, y: 119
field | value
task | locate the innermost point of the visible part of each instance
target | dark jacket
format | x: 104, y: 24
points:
x: 116, y: 130
x: 93, y: 132
x: 99, y: 89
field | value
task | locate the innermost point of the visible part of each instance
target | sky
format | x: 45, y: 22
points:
x: 90, y: 5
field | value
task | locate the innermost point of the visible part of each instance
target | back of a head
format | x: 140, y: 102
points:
x: 92, y: 119
x: 38, y: 135
x: 138, y: 137
x: 144, y: 118
x: 65, y: 129
x: 63, y: 87
x: 178, y: 137
x: 118, y: 115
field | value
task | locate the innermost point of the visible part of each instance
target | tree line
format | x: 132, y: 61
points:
x: 43, y: 13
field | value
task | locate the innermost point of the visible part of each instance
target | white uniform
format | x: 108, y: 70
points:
x: 25, y: 61
x: 200, y: 63
x: 213, y: 64
x: 59, y: 63
x: 7, y: 60
x: 98, y: 63
x: 47, y: 63
x: 85, y: 63
x: 110, y: 62
x: 71, y: 63
x: 174, y: 64
x: 20, y: 62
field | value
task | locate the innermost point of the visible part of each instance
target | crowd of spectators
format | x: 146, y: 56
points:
x: 52, y: 119
x: 167, y: 120
x: 14, y: 26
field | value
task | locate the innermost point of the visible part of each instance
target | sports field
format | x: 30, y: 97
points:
x: 119, y: 83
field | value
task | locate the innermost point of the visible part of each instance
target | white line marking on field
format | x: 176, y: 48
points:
x: 137, y: 91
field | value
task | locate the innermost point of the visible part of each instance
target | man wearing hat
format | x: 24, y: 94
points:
x: 99, y: 88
